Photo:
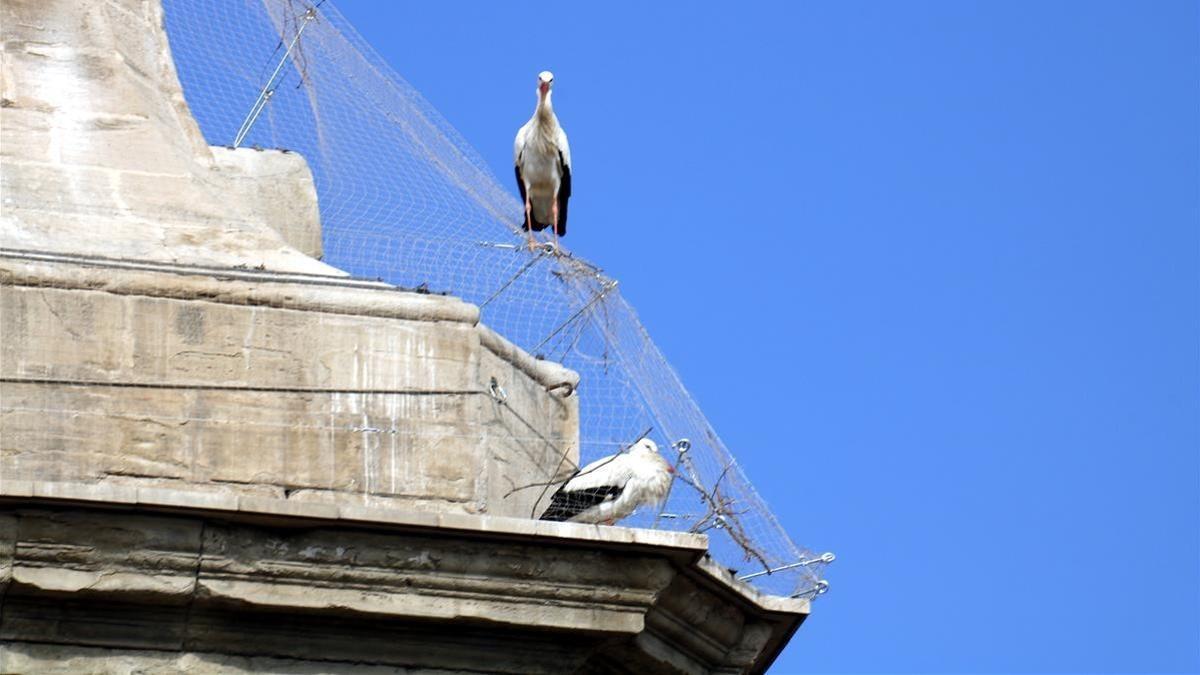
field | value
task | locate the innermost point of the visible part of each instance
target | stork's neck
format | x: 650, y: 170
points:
x: 545, y: 110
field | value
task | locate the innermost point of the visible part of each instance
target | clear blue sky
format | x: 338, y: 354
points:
x: 931, y: 268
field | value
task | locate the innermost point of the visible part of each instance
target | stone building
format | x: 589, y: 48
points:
x: 219, y: 454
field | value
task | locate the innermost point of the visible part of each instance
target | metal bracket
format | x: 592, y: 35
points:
x: 497, y: 392
x: 824, y: 558
x: 820, y: 588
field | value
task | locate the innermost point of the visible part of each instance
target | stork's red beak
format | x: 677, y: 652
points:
x: 543, y: 87
x: 670, y: 469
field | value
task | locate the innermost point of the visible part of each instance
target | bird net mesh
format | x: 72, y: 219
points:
x: 404, y: 198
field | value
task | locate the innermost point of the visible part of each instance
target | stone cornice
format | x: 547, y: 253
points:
x: 231, y: 286
x: 645, y: 597
x: 315, y: 293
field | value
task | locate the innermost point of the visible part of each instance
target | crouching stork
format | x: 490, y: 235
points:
x: 611, y: 488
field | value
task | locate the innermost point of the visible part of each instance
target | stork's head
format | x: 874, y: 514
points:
x: 545, y: 81
x: 648, y: 448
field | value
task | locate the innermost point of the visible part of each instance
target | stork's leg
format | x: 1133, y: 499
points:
x: 529, y: 222
x: 554, y: 218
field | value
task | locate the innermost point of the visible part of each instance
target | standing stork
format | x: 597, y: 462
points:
x: 543, y: 165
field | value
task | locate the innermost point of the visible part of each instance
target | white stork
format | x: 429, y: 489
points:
x: 611, y: 488
x: 543, y: 164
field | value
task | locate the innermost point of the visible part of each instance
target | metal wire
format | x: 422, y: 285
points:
x: 268, y: 90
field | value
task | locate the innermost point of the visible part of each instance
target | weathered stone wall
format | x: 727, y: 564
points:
x: 119, y: 384
x: 273, y: 187
x: 99, y: 154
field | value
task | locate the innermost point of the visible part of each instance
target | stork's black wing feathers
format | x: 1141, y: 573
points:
x: 564, y: 193
x: 564, y: 505
x: 520, y: 183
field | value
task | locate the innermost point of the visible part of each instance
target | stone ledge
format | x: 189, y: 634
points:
x: 302, y: 513
x: 119, y: 568
x: 306, y: 293
x: 331, y: 295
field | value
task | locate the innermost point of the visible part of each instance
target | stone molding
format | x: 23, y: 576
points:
x: 305, y: 293
x: 330, y: 295
x: 187, y: 572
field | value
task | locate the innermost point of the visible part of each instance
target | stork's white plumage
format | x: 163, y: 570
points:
x: 612, y: 488
x: 543, y: 165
